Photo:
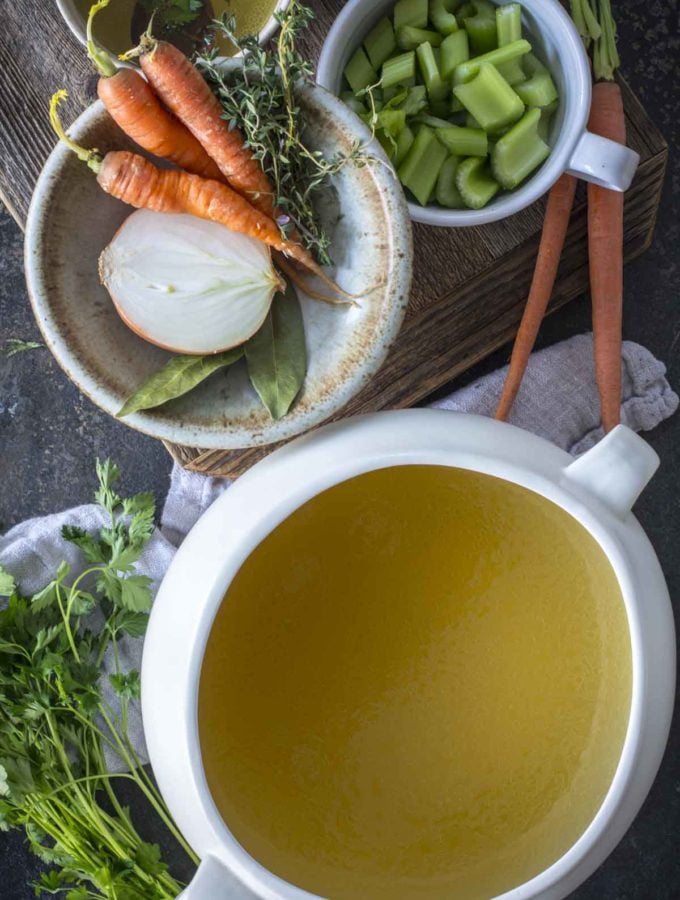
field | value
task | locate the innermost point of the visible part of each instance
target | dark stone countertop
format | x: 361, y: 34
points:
x: 50, y: 435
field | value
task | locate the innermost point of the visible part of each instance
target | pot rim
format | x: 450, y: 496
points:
x: 601, y: 523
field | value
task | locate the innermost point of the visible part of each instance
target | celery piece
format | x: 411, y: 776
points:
x: 380, y: 43
x: 431, y: 121
x: 490, y: 99
x: 539, y: 90
x: 354, y: 103
x: 464, y: 141
x: 441, y: 109
x: 437, y: 89
x: 512, y: 72
x: 442, y: 17
x: 455, y: 105
x: 519, y: 152
x: 447, y: 193
x: 420, y: 169
x: 410, y: 12
x: 509, y: 23
x: 416, y: 100
x: 359, y: 73
x: 545, y: 122
x: 389, y: 94
x: 455, y: 50
x: 409, y: 38
x: 475, y: 183
x: 467, y: 70
x: 479, y: 19
x: 532, y: 65
x: 399, y: 70
x: 471, y: 122
x: 404, y: 144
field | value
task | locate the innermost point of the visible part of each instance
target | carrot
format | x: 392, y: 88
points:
x: 136, y: 180
x: 605, y: 248
x: 555, y: 225
x: 137, y: 111
x: 184, y: 91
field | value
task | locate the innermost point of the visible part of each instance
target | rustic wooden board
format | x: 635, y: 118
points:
x: 469, y: 285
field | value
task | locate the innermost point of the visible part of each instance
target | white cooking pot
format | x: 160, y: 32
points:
x: 598, y: 489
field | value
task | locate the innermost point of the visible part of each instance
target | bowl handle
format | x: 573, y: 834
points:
x: 214, y: 881
x: 616, y: 470
x: 604, y: 162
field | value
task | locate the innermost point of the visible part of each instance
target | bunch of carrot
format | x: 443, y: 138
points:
x: 605, y: 233
x: 174, y: 115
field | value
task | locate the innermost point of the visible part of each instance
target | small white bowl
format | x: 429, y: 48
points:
x: 574, y: 149
x: 76, y: 22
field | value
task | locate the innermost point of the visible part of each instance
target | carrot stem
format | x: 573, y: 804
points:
x: 103, y: 62
x: 91, y: 157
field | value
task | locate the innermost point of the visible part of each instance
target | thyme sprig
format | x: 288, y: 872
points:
x: 261, y: 99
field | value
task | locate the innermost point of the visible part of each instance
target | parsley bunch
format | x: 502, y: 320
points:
x: 55, y: 723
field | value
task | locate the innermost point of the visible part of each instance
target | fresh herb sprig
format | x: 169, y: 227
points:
x: 260, y: 99
x: 57, y: 722
x: 174, y: 13
x: 12, y: 346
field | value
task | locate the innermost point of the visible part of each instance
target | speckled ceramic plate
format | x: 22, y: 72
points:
x: 71, y: 220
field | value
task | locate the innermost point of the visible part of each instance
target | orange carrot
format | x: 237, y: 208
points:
x: 184, y: 91
x: 605, y: 248
x: 555, y: 224
x: 137, y: 111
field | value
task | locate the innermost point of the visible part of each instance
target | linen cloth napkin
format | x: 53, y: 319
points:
x: 558, y: 401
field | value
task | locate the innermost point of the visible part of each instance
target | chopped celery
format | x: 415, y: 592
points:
x: 545, y: 122
x: 447, y: 193
x: 455, y: 50
x: 467, y: 70
x: 442, y: 17
x: 437, y: 89
x: 471, y: 122
x: 509, y: 23
x: 475, y: 183
x: 519, y: 152
x: 410, y: 12
x: 512, y: 72
x: 441, y: 109
x: 456, y: 106
x: 380, y: 43
x: 409, y: 38
x: 353, y: 102
x: 479, y: 19
x: 539, y: 90
x: 399, y: 70
x: 416, y: 100
x: 359, y: 72
x: 389, y: 94
x: 464, y: 141
x: 420, y: 169
x: 404, y: 144
x: 532, y: 65
x: 432, y: 121
x: 490, y: 99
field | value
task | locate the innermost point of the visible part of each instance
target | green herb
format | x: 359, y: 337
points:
x: 260, y: 98
x: 177, y: 377
x: 276, y: 355
x: 174, y: 13
x: 17, y: 345
x: 56, y: 723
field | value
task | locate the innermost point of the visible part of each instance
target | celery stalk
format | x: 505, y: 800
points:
x: 420, y: 169
x: 359, y: 73
x: 399, y: 70
x: 539, y: 90
x: 464, y: 141
x: 455, y: 50
x: 404, y: 144
x: 490, y: 99
x: 544, y: 125
x: 442, y: 17
x: 519, y: 152
x: 509, y: 27
x: 380, y: 43
x: 409, y: 38
x: 447, y: 193
x: 510, y: 52
x: 532, y: 65
x: 479, y: 19
x: 437, y: 89
x: 410, y: 12
x: 475, y: 183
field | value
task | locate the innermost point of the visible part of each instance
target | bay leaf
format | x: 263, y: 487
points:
x: 177, y: 377
x: 277, y: 356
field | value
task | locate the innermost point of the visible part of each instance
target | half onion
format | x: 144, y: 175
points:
x: 186, y: 284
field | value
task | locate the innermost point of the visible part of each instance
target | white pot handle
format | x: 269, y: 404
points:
x: 213, y: 881
x: 603, y: 162
x: 616, y: 470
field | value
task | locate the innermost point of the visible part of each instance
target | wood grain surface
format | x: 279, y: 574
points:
x: 469, y: 284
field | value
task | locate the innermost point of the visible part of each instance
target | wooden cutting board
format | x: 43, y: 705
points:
x: 469, y: 285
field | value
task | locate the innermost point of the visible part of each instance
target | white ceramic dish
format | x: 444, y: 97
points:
x: 574, y: 149
x: 76, y: 21
x: 71, y: 220
x: 598, y: 490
